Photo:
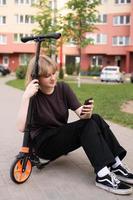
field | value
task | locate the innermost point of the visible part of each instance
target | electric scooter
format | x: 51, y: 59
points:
x: 21, y: 167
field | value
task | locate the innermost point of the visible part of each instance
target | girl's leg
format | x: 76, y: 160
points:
x: 85, y: 133
x: 61, y: 141
x: 109, y: 137
x: 67, y: 138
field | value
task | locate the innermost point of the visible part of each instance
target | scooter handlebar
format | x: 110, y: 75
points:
x: 41, y: 37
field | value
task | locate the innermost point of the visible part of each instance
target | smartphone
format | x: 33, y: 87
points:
x: 87, y: 102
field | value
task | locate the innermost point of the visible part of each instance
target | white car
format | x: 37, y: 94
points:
x: 111, y: 73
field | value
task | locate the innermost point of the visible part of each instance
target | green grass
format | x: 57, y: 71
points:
x: 108, y: 99
x: 18, y: 83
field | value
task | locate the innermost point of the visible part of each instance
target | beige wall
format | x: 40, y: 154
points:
x: 110, y: 7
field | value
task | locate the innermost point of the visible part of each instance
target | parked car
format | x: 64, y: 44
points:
x: 111, y: 73
x: 4, y: 71
x: 131, y: 77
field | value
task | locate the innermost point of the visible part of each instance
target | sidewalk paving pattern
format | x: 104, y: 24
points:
x: 70, y: 177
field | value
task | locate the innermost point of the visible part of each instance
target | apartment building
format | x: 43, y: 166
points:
x: 16, y: 21
x: 113, y: 40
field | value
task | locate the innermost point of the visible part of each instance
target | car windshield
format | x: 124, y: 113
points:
x: 110, y: 69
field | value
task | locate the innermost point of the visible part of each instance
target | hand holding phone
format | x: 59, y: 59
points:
x: 87, y: 102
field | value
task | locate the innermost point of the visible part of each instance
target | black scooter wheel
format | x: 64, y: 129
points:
x: 17, y: 173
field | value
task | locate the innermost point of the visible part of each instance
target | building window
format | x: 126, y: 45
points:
x: 91, y: 37
x: 120, y: 41
x: 32, y: 21
x: 3, y: 39
x: 122, y: 1
x: 21, y: 19
x: 15, y: 37
x: 102, y: 18
x: 101, y: 39
x: 27, y: 19
x: 24, y: 19
x: 26, y: 2
x: 24, y: 59
x: 121, y: 20
x: 103, y: 1
x: 96, y: 61
x: 5, y: 61
x: 2, y: 20
x: 97, y: 38
x: 18, y: 36
x: 33, y: 1
x: 2, y: 2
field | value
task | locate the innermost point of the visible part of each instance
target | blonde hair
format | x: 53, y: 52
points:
x: 44, y: 63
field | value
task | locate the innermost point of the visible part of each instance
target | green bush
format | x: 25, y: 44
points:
x: 70, y: 69
x: 21, y: 72
x: 94, y: 71
x: 61, y: 73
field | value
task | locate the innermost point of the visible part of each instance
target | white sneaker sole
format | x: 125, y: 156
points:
x: 115, y: 191
x: 126, y: 180
x: 44, y: 161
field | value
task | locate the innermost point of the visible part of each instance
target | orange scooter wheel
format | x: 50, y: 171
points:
x: 17, y: 174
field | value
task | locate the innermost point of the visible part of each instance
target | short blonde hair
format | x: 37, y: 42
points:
x: 44, y: 63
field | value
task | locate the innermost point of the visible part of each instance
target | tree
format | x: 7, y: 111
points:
x: 80, y: 19
x: 46, y: 19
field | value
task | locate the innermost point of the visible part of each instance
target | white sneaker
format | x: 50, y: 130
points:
x: 112, y: 184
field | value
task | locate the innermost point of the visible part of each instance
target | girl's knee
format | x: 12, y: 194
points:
x: 96, y: 116
x: 99, y: 120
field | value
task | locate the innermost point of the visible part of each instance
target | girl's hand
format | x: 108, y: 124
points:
x: 31, y: 89
x: 87, y: 110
